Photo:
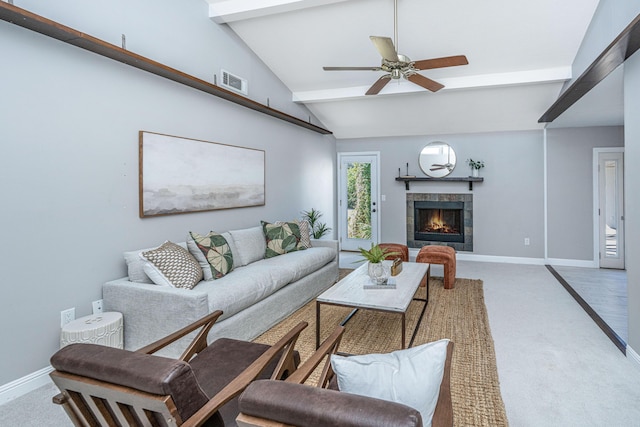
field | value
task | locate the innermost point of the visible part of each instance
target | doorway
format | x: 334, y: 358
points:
x: 359, y: 201
x: 609, y: 207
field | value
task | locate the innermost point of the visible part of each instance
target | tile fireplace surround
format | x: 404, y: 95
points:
x: 466, y: 199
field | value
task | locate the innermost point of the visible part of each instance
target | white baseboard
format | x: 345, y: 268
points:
x: 468, y: 256
x: 25, y: 384
x: 462, y: 256
x: 633, y: 356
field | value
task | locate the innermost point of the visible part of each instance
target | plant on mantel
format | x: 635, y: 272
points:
x: 475, y: 164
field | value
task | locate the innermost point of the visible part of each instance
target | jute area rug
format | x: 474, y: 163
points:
x: 458, y: 314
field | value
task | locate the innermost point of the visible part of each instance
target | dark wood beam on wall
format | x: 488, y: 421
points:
x: 47, y: 27
x: 611, y: 58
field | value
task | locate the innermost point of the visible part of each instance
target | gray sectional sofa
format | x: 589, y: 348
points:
x: 254, y: 296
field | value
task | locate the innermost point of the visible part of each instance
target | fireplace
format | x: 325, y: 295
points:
x: 441, y: 219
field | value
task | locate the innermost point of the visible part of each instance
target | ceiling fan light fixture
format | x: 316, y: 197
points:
x: 398, y: 66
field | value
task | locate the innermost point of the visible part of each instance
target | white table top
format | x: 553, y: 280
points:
x: 349, y: 291
x: 93, y: 321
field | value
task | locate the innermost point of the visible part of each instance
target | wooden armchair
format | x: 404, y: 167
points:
x: 105, y: 386
x: 290, y: 403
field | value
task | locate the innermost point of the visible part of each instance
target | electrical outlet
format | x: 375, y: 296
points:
x: 68, y: 315
x: 527, y: 242
x: 97, y: 306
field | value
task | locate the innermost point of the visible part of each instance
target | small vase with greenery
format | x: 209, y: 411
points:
x: 475, y: 166
x: 318, y: 229
x: 377, y: 270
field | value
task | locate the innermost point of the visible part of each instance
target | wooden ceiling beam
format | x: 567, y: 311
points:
x: 47, y: 27
x: 625, y: 45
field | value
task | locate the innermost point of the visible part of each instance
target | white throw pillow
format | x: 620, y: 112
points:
x: 411, y: 377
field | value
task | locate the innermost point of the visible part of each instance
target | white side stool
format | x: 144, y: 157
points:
x: 103, y: 328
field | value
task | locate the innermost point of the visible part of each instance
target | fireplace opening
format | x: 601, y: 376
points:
x: 439, y: 221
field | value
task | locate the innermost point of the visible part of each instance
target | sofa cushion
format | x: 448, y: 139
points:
x: 212, y: 252
x: 299, y: 264
x: 250, y: 245
x: 411, y: 376
x: 172, y: 265
x: 281, y: 238
x: 244, y: 287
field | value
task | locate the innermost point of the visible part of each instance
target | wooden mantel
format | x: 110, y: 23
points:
x: 469, y: 179
x: 37, y: 23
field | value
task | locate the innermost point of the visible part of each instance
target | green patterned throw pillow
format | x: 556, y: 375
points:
x: 281, y: 238
x: 212, y: 252
x: 305, y: 233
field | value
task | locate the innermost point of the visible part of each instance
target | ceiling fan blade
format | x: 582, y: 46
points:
x: 379, y: 84
x: 386, y: 48
x: 425, y: 82
x: 447, y: 61
x: 351, y: 68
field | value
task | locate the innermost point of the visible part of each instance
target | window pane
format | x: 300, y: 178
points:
x: 611, y: 211
x: 359, y: 200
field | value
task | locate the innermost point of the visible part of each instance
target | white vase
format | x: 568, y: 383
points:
x: 475, y: 172
x: 378, y: 272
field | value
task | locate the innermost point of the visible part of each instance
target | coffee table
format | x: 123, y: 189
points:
x: 350, y: 292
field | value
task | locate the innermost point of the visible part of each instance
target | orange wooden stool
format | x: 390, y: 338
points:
x: 403, y: 250
x: 440, y: 255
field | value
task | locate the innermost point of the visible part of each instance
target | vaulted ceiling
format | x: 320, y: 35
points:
x: 520, y: 54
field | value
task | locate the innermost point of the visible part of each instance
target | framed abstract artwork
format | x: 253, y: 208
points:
x: 181, y: 175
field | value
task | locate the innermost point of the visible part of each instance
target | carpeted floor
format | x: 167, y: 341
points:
x: 458, y: 314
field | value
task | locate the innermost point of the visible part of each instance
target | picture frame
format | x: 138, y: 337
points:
x: 180, y: 175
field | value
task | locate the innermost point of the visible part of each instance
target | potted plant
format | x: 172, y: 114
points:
x: 318, y: 229
x: 475, y: 166
x: 377, y: 270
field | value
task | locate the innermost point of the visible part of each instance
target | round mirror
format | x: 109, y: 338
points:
x: 437, y: 159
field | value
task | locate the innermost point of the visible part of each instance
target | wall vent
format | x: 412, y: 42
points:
x: 235, y: 83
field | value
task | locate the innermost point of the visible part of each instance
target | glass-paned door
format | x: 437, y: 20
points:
x: 611, y: 214
x: 359, y: 204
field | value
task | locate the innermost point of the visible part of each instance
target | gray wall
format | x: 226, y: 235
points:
x: 508, y: 205
x: 609, y: 19
x: 570, y: 188
x: 69, y: 163
x: 632, y: 194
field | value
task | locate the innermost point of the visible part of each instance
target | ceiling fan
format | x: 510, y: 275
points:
x: 398, y: 66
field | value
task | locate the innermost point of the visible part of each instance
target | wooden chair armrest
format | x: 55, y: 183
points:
x: 237, y: 386
x: 199, y: 342
x: 328, y: 347
x: 244, y: 420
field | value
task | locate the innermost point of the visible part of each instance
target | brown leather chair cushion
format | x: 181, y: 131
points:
x: 305, y: 406
x: 222, y: 361
x: 144, y: 372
